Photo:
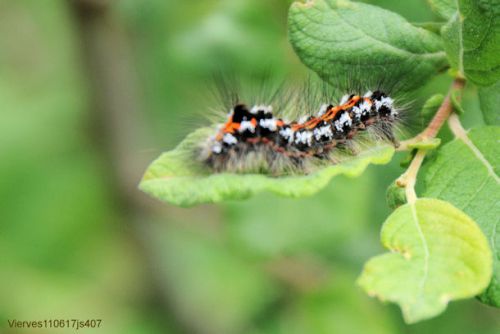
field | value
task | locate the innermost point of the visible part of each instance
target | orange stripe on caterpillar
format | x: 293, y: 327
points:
x: 329, y: 115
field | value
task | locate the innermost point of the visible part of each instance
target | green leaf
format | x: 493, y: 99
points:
x: 489, y: 97
x: 427, y: 144
x: 438, y: 254
x: 434, y: 27
x: 408, y: 158
x: 395, y: 196
x: 340, y: 39
x: 444, y: 8
x: 430, y: 107
x: 465, y: 173
x: 175, y: 178
x: 472, y: 40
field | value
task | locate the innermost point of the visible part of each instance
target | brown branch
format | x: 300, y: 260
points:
x: 409, y: 178
x: 444, y: 111
x: 439, y: 118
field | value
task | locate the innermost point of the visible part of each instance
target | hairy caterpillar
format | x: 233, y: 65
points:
x: 254, y: 139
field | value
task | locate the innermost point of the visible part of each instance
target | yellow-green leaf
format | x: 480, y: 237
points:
x: 438, y: 254
x: 175, y: 178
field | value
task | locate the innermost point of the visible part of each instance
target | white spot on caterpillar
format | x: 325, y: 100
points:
x: 362, y: 109
x: 368, y: 94
x: 304, y: 137
x: 287, y: 133
x: 324, y: 131
x: 344, y: 99
x: 269, y: 123
x: 365, y: 107
x: 357, y: 112
x: 246, y: 125
x: 342, y: 121
x: 303, y: 119
x: 217, y: 148
x: 229, y: 139
x: 385, y: 101
x: 266, y: 109
x: 388, y: 103
x: 322, y: 110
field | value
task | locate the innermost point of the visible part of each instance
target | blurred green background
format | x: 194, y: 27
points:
x: 91, y: 91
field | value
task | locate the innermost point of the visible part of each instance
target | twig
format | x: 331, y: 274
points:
x: 456, y: 127
x: 409, y: 178
x: 439, y: 118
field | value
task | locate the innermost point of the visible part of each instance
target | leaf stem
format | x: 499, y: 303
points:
x: 409, y: 177
x: 439, y: 118
x: 456, y: 127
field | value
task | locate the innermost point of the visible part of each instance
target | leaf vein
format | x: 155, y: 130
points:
x: 426, y: 250
x: 480, y: 157
x: 469, y: 202
x: 396, y: 49
x: 452, y: 178
x: 494, y: 240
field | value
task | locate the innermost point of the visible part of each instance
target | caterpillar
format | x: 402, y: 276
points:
x: 255, y: 140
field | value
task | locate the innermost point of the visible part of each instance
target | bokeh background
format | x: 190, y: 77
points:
x: 91, y: 91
